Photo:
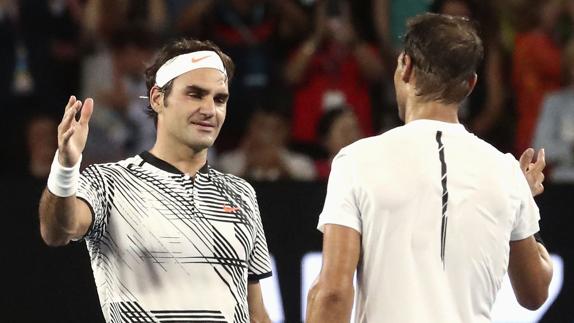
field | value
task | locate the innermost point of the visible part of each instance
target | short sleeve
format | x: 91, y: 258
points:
x: 341, y: 203
x: 259, y: 263
x: 528, y: 214
x: 92, y: 190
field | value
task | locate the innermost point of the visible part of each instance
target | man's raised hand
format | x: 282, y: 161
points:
x: 72, y: 133
x: 533, y: 171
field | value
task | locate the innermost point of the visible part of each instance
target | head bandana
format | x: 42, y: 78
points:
x: 187, y: 62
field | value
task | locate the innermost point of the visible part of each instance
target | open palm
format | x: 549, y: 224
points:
x: 72, y: 133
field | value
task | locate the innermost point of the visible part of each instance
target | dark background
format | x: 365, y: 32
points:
x: 43, y: 284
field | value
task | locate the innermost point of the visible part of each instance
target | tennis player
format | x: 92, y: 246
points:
x: 429, y: 216
x: 170, y: 238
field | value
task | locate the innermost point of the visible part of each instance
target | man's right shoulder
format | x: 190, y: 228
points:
x: 368, y: 143
x: 121, y: 164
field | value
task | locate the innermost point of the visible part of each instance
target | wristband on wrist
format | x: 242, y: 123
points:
x: 63, y: 181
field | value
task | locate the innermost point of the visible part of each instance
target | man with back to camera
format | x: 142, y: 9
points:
x: 169, y: 237
x: 430, y: 216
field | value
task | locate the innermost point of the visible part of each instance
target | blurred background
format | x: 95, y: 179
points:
x: 312, y: 77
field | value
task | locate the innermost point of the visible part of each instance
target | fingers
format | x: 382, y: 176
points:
x: 538, y: 189
x: 540, y: 161
x: 526, y: 159
x: 87, y: 110
x: 535, y: 171
x: 68, y: 134
x: 68, y: 118
x: 71, y: 101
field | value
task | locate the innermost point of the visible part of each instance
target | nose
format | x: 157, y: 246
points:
x: 207, y: 108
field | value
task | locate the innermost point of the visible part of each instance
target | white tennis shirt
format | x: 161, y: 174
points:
x: 436, y: 208
x: 167, y: 247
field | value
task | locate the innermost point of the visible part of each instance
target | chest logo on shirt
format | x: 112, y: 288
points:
x: 230, y: 209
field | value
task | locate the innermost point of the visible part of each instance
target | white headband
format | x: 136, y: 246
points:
x: 186, y: 62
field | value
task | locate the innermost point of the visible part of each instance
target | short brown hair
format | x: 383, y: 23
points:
x: 176, y: 48
x: 445, y: 52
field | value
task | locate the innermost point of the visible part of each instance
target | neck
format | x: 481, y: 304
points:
x: 187, y: 160
x: 431, y: 110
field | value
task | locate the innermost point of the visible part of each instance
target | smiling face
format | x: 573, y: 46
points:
x: 193, y: 112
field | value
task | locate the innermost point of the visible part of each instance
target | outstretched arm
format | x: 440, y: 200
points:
x: 62, y: 216
x: 331, y: 297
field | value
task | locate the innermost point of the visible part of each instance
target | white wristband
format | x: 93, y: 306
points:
x: 63, y: 181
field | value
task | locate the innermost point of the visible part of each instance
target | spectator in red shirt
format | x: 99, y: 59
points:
x: 333, y: 66
x: 536, y: 66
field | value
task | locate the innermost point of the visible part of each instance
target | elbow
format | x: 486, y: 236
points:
x: 331, y: 296
x: 51, y: 239
x: 536, y: 294
x: 534, y: 301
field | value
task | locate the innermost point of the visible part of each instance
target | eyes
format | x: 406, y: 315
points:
x: 219, y: 99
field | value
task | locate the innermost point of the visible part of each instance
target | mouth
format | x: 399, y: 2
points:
x: 204, y: 125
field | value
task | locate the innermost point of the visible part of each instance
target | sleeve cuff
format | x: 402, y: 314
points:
x: 93, y: 218
x: 255, y: 278
x: 353, y: 224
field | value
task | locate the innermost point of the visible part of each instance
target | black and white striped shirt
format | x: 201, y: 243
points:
x: 168, y: 247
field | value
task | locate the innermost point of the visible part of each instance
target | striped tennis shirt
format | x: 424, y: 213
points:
x: 168, y: 247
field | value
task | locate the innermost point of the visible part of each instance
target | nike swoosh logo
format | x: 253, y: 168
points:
x: 230, y: 209
x: 195, y: 60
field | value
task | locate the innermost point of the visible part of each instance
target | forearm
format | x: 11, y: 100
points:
x: 546, y: 266
x: 57, y: 222
x: 381, y: 21
x: 261, y: 317
x: 297, y: 67
x: 530, y: 272
x: 329, y: 305
x: 257, y: 312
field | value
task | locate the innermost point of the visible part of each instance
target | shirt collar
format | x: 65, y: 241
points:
x: 435, y: 124
x: 165, y: 166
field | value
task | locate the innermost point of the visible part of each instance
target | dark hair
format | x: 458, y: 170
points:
x: 328, y: 119
x: 445, y: 52
x: 176, y: 48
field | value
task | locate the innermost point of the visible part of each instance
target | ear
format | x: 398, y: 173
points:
x: 471, y: 83
x: 405, y: 66
x: 156, y: 99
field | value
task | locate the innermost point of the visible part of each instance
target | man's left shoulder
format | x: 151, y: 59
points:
x: 233, y: 181
x: 363, y: 145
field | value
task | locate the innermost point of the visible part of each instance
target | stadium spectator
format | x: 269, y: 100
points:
x: 333, y: 66
x: 113, y: 77
x: 536, y: 65
x: 555, y: 129
x: 264, y: 155
x: 337, y: 128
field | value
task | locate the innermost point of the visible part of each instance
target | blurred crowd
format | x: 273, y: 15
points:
x: 312, y: 76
